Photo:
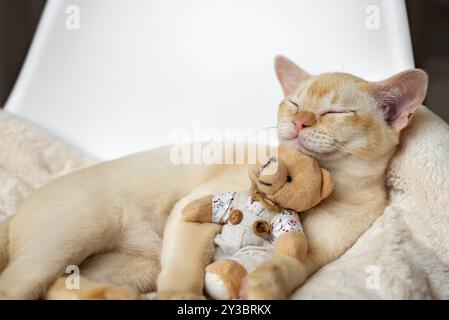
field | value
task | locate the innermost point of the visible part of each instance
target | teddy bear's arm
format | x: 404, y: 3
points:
x: 199, y: 210
x: 214, y: 209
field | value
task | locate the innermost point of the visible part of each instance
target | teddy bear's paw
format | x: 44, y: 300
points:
x: 223, y: 278
x: 216, y: 288
x: 91, y: 291
x: 174, y: 295
x: 264, y: 283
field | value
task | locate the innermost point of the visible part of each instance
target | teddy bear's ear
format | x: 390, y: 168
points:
x: 326, y: 183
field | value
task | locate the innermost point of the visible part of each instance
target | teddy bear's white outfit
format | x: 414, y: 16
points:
x: 239, y: 242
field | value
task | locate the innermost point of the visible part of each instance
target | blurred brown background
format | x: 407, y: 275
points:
x: 18, y: 21
x: 429, y: 25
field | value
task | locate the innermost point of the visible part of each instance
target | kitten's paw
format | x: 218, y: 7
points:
x: 264, y: 283
x: 174, y: 295
x: 91, y: 291
x: 110, y: 292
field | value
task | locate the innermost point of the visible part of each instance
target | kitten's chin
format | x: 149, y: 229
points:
x: 322, y: 157
x: 294, y: 144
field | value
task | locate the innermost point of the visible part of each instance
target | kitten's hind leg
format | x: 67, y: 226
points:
x: 28, y: 275
x: 110, y: 276
x: 124, y: 269
x: 39, y: 254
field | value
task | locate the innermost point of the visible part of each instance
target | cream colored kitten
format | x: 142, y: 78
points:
x: 109, y: 219
x: 352, y: 127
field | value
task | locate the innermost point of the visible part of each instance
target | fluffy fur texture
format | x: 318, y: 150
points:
x: 29, y: 159
x: 116, y: 212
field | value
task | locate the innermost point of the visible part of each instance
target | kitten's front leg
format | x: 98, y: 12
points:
x: 187, y: 250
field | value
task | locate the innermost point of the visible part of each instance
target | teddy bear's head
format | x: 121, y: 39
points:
x: 291, y: 180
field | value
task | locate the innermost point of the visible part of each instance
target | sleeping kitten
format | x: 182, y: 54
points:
x: 352, y: 127
x: 109, y: 219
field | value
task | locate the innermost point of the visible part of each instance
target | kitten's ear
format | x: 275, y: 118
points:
x: 288, y: 74
x: 400, y: 96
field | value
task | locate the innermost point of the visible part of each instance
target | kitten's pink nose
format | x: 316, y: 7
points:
x: 303, y: 119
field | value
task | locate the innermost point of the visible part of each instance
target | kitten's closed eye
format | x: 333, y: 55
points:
x: 293, y: 103
x: 332, y: 112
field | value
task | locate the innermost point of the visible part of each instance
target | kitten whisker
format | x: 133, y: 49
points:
x: 341, y: 147
x: 338, y: 145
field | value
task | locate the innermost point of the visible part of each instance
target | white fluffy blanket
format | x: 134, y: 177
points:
x: 29, y: 159
x: 404, y: 255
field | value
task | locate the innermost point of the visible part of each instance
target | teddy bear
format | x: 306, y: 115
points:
x: 262, y: 221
